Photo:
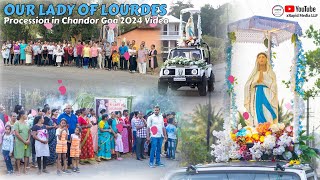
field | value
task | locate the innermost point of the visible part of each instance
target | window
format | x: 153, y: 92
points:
x: 176, y: 27
x: 194, y: 54
x: 165, y: 29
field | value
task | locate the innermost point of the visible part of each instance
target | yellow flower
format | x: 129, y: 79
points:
x: 249, y: 141
x: 291, y: 162
x: 255, y: 137
x: 233, y: 136
x: 262, y: 139
x: 297, y: 162
x: 249, y: 135
x: 268, y: 133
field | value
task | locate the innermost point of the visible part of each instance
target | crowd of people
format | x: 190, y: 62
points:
x: 71, y: 138
x: 93, y: 55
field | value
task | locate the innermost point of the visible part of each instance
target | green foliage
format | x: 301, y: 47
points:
x: 34, y: 99
x: 241, y: 119
x: 217, y: 46
x: 177, y: 7
x: 194, y: 149
x: 84, y: 100
x: 214, y: 21
x: 307, y: 153
x: 193, y: 135
x: 313, y: 63
x: 284, y: 117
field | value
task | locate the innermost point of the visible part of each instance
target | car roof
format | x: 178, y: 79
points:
x: 262, y: 164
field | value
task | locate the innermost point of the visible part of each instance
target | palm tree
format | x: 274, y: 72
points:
x: 200, y: 119
x: 84, y: 100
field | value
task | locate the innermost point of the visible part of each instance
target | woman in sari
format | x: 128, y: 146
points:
x: 87, y: 152
x: 52, y: 140
x: 114, y: 128
x: 104, y: 139
x: 94, y: 129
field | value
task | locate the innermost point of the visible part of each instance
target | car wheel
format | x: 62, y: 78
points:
x: 162, y: 87
x: 211, y: 82
x: 202, y: 87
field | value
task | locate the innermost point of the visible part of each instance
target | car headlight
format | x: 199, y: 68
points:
x: 194, y: 72
x: 166, y: 72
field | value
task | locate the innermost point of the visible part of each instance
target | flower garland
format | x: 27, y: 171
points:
x: 182, y: 61
x: 229, y: 88
x: 299, y: 80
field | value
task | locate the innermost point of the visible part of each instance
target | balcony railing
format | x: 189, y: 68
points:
x: 170, y: 33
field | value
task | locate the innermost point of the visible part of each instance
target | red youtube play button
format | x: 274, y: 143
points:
x: 289, y: 8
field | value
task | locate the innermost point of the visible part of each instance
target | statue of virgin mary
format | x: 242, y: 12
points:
x: 190, y: 28
x: 261, y: 93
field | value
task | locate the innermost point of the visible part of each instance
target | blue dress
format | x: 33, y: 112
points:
x: 104, y: 141
x: 22, y: 52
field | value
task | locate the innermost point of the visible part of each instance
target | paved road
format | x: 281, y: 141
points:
x: 129, y: 168
x: 117, y: 83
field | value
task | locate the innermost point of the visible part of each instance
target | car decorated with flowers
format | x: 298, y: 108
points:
x: 245, y: 170
x: 189, y: 63
x: 187, y: 66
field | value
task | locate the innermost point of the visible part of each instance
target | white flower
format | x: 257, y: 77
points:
x: 279, y: 150
x: 256, y: 151
x: 269, y: 142
x: 274, y: 128
x: 287, y: 155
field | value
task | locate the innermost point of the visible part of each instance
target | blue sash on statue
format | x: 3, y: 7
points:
x: 261, y: 100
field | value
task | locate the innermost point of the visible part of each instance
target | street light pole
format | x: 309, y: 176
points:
x: 209, y: 122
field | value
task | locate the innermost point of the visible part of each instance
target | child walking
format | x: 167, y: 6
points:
x: 172, y: 138
x: 75, y: 149
x: 7, y: 148
x: 40, y: 135
x: 61, y: 148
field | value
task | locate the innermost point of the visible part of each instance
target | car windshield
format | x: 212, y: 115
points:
x: 194, y: 54
x: 237, y: 176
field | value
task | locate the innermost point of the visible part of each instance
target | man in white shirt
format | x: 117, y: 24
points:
x: 155, y: 133
x: 50, y: 53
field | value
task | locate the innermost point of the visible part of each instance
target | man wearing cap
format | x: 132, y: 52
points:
x: 72, y: 122
x: 155, y: 133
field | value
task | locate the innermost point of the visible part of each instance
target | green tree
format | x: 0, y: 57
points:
x: 313, y: 63
x: 177, y: 7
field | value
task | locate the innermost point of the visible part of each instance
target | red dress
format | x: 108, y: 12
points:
x: 127, y: 121
x: 87, y: 152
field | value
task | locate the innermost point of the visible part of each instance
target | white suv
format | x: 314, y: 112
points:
x: 244, y: 171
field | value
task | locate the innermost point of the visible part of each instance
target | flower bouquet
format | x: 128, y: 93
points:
x: 182, y: 61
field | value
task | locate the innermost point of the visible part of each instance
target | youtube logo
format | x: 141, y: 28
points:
x: 289, y: 8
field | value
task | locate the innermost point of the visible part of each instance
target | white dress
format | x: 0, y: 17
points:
x: 42, y: 149
x: 119, y: 143
x: 5, y: 51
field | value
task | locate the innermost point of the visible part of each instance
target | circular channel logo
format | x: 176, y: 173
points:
x: 277, y: 11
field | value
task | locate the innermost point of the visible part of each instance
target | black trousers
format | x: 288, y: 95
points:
x: 94, y: 62
x: 50, y: 57
x: 133, y: 63
x: 140, y: 147
x: 123, y: 63
x: 108, y: 61
x: 44, y: 162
